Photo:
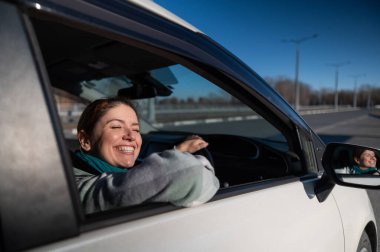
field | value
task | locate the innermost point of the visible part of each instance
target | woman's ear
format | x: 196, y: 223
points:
x: 357, y: 161
x: 84, y: 140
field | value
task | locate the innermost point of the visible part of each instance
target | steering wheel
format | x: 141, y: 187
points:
x: 207, y: 154
x: 203, y: 152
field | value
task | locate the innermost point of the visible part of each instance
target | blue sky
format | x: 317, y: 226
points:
x: 254, y: 31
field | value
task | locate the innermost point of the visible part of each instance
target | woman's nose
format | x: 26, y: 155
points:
x: 129, y: 135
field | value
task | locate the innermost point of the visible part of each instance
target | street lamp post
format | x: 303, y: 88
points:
x: 355, y: 98
x: 369, y: 96
x: 337, y: 65
x: 296, y: 84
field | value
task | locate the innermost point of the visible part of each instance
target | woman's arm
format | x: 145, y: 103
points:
x: 170, y: 176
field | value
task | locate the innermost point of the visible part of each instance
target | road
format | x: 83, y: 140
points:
x: 357, y: 127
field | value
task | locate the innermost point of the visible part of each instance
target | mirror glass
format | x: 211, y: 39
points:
x: 354, y: 164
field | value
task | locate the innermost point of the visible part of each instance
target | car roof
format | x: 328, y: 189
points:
x: 159, y: 10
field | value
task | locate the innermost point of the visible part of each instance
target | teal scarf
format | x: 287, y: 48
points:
x: 97, y: 163
x: 358, y: 170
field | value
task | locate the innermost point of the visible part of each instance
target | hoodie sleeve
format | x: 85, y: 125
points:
x: 170, y: 176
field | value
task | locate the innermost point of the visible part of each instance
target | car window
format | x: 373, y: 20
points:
x: 173, y: 101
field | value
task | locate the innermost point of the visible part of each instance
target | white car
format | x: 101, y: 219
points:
x: 275, y: 195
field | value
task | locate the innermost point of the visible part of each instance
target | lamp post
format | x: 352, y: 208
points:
x: 337, y: 65
x: 296, y: 84
x: 369, y: 96
x: 355, y: 98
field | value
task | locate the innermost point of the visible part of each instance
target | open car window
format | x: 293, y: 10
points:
x: 173, y: 102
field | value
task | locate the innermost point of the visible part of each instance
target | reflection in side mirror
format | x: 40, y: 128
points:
x: 352, y: 165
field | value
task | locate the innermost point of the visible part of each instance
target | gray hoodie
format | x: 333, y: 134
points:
x: 170, y: 176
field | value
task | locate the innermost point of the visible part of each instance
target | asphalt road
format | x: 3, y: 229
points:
x: 356, y: 127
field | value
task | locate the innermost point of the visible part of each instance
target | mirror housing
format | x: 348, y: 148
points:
x: 352, y: 165
x: 144, y: 86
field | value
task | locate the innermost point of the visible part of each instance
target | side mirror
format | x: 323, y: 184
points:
x: 352, y: 165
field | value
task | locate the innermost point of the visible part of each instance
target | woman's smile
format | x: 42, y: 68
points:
x: 125, y: 149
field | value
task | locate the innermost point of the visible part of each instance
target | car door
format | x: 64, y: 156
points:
x: 278, y: 218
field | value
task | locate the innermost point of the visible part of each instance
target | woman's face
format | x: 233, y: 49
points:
x: 367, y: 159
x: 116, y: 137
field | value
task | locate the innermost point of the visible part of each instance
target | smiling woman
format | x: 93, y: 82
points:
x: 109, y: 128
x: 365, y: 161
x: 110, y: 140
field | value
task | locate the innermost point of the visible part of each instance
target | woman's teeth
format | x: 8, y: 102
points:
x: 127, y: 149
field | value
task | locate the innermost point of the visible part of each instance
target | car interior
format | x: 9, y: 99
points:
x: 83, y: 67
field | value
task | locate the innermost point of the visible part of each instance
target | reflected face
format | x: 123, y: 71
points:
x: 367, y: 159
x: 116, y: 137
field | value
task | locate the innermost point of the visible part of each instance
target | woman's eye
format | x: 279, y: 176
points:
x: 115, y: 127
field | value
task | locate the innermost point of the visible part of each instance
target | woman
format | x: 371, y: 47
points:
x: 365, y: 160
x: 105, y: 169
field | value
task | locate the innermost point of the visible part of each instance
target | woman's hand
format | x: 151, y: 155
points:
x: 192, y: 144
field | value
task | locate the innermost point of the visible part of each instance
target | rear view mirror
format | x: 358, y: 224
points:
x: 352, y: 165
x: 144, y: 86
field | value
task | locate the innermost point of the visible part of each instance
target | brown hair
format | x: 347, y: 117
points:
x: 98, y: 108
x: 358, y: 152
